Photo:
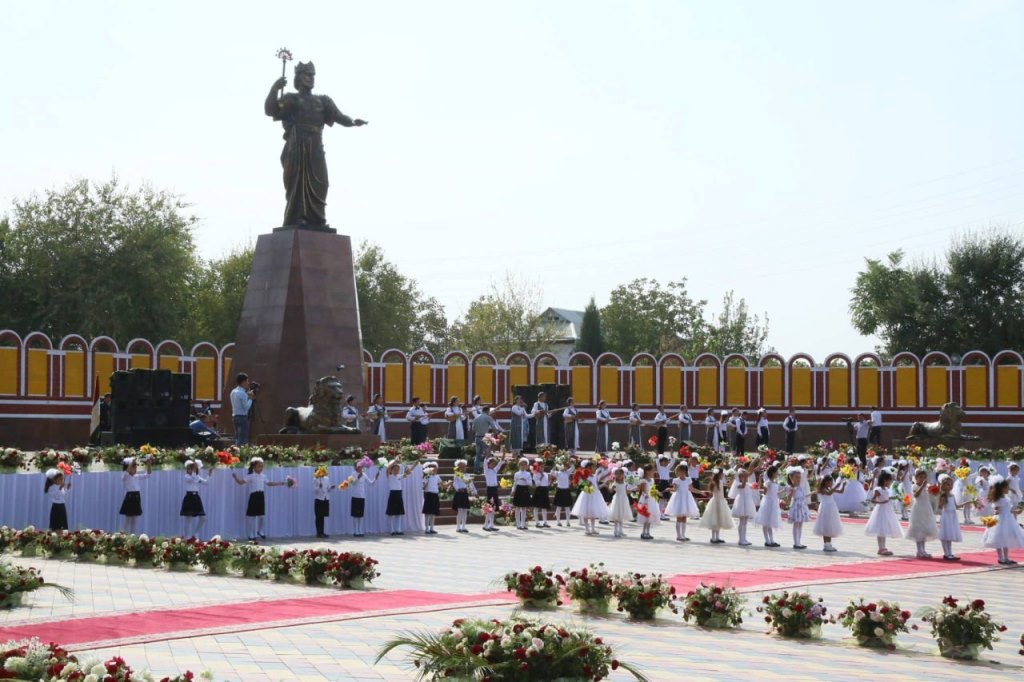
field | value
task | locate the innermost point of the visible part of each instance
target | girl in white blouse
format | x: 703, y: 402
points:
x: 192, y: 510
x: 256, y: 483
x: 57, y: 493
x: 131, y: 505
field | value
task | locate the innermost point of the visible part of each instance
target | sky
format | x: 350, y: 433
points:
x: 764, y: 148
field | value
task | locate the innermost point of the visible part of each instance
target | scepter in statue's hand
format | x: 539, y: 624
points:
x: 285, y: 55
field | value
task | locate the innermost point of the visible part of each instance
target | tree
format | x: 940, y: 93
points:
x: 392, y: 311
x: 642, y: 316
x: 98, y: 259
x: 974, y: 299
x: 591, y: 338
x: 218, y: 299
x: 735, y: 330
x: 505, y: 320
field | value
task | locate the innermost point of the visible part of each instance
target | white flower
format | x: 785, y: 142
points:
x: 787, y: 612
x: 14, y: 663
x: 858, y: 616
x: 98, y: 669
x: 876, y: 616
x: 615, y: 445
x: 457, y: 635
x: 91, y: 677
x: 538, y: 643
x: 879, y: 632
x: 189, y: 452
x: 144, y: 538
x: 215, y: 538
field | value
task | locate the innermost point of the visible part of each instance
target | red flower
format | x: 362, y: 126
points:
x: 652, y: 441
x: 978, y: 604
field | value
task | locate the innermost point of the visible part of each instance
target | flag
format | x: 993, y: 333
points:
x: 94, y: 421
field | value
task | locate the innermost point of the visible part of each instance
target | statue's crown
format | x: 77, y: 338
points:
x: 304, y: 67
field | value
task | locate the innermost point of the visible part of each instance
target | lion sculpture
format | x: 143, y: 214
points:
x: 946, y: 428
x: 323, y: 414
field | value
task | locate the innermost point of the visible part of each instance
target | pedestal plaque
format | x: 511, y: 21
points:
x: 300, y: 320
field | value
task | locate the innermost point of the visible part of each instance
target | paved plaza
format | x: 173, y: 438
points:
x: 343, y: 647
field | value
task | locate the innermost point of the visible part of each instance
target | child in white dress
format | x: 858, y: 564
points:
x: 590, y: 505
x: 828, y: 524
x: 648, y: 500
x: 1014, y: 480
x: 682, y: 504
x: 1007, y: 533
x: 620, y: 511
x: 717, y: 516
x: 799, y: 511
x: 744, y: 506
x: 922, y: 517
x: 769, y: 514
x: 949, y: 522
x: 982, y: 484
x: 883, y: 522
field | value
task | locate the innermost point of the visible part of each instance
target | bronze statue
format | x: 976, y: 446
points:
x: 951, y: 416
x: 303, y: 116
x: 323, y: 414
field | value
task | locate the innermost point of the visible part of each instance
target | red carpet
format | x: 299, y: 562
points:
x: 882, y: 569
x: 160, y: 625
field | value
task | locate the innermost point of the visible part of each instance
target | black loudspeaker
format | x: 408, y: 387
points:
x: 160, y: 384
x: 145, y: 408
x: 181, y: 387
x: 122, y: 391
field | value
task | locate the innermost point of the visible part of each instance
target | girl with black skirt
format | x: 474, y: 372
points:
x: 521, y: 498
x: 321, y: 500
x: 563, y: 493
x: 541, y: 495
x: 256, y: 482
x: 396, y: 504
x: 462, y: 484
x: 431, y: 497
x: 357, y: 506
x: 131, y: 505
x: 661, y: 423
x: 192, y: 505
x: 57, y: 492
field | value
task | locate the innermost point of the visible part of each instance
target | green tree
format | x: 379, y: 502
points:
x: 505, y: 320
x: 392, y: 311
x: 643, y: 316
x: 218, y: 298
x: 98, y: 259
x: 735, y: 330
x: 591, y: 338
x: 973, y: 299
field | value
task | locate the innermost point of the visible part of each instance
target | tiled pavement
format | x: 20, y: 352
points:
x: 667, y: 650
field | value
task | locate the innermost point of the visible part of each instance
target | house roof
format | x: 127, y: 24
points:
x: 567, y: 323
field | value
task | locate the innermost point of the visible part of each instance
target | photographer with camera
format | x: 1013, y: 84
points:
x: 241, y: 402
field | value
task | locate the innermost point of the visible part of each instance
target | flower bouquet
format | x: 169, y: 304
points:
x: 33, y: 660
x: 352, y: 570
x: 711, y: 606
x: 279, y: 564
x: 591, y: 588
x: 962, y: 472
x: 247, y: 559
x: 15, y: 581
x: 933, y: 489
x: 115, y: 547
x: 517, y: 649
x: 289, y: 481
x: 85, y: 543
x: 48, y: 459
x: 214, y: 555
x: 179, y: 554
x: 476, y: 506
x: 143, y: 550
x: 794, y: 614
x: 11, y: 459
x: 26, y: 539
x: 312, y: 564
x: 346, y: 483
x: 989, y: 521
x: 227, y: 459
x: 961, y: 631
x: 56, y: 543
x: 642, y: 595
x: 875, y: 624
x: 535, y: 588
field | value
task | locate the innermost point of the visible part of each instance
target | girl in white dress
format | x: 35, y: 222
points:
x: 681, y: 505
x: 1014, y: 480
x: 717, y: 516
x: 1006, y: 534
x: 922, y: 517
x: 851, y: 500
x: 590, y: 505
x: 648, y: 500
x: 828, y: 525
x: 949, y: 522
x: 744, y: 506
x: 799, y: 511
x: 982, y: 484
x: 883, y: 522
x: 769, y: 515
x: 620, y: 511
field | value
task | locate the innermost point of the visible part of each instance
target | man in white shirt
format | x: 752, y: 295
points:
x: 241, y: 403
x: 875, y: 435
x: 790, y: 426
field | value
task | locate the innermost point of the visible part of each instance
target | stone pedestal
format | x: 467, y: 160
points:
x: 300, y: 320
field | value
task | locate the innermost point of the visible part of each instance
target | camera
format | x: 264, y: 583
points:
x: 254, y: 386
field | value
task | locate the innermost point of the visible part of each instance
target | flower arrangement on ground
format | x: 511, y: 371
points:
x: 961, y: 629
x: 15, y: 581
x: 352, y: 569
x: 875, y: 624
x: 312, y: 564
x: 179, y: 554
x: 794, y: 614
x: 516, y: 649
x: 85, y: 544
x: 591, y: 588
x: 214, y: 555
x: 11, y: 459
x: 115, y: 547
x: 535, y: 588
x: 56, y: 543
x: 279, y: 565
x: 641, y: 595
x: 143, y: 550
x: 33, y: 660
x: 247, y: 559
x: 712, y: 606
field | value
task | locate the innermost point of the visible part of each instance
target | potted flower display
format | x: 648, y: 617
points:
x: 641, y: 596
x: 535, y: 588
x: 517, y: 649
x: 961, y: 628
x: 794, y: 614
x: 591, y: 588
x: 55, y: 543
x: 214, y: 555
x: 11, y: 459
x: 352, y: 570
x: 116, y: 548
x: 247, y: 559
x: 85, y: 543
x: 25, y: 541
x: 278, y: 564
x: 875, y: 624
x: 711, y: 606
x: 143, y: 550
x: 312, y: 564
x: 16, y: 581
x: 179, y: 554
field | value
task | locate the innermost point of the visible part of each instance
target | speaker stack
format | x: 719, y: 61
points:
x: 558, y: 396
x: 151, y: 406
